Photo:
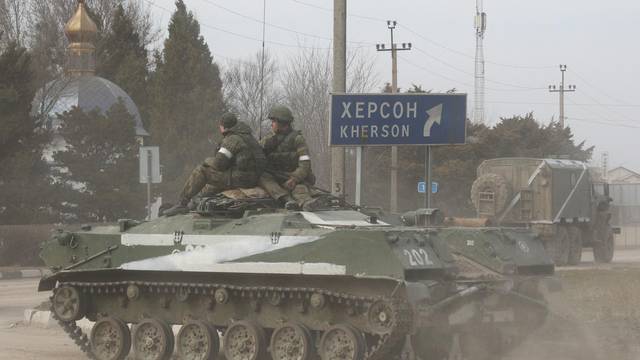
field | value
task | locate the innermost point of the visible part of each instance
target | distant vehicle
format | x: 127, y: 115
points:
x: 558, y: 198
x: 336, y: 283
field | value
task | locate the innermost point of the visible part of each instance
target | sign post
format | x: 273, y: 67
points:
x: 149, y: 171
x: 427, y: 176
x: 398, y: 119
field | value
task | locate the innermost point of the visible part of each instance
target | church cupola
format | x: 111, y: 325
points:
x: 81, y: 32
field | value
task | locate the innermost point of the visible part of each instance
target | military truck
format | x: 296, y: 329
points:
x: 558, y: 198
x: 336, y: 283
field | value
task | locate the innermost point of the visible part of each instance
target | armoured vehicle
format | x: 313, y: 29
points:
x: 555, y: 197
x: 241, y: 278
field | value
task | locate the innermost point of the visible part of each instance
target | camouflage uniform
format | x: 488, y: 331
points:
x: 238, y: 163
x: 287, y: 158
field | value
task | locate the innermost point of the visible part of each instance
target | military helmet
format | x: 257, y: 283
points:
x: 280, y: 113
x: 228, y: 120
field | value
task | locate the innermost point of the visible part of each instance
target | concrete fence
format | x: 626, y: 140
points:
x: 629, y: 237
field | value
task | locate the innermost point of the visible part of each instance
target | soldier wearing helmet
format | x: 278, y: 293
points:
x: 239, y: 162
x: 288, y: 174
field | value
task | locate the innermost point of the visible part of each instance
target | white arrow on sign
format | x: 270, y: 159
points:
x: 435, y: 116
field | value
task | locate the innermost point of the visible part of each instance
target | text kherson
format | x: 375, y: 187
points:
x: 374, y: 131
x: 385, y: 110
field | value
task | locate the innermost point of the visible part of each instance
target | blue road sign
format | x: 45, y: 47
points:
x: 422, y: 187
x: 398, y: 119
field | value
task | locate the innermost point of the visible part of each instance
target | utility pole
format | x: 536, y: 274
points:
x: 391, y: 24
x: 339, y: 87
x: 561, y: 90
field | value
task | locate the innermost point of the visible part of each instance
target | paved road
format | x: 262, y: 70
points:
x: 18, y: 342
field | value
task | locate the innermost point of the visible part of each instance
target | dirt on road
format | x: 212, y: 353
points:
x: 595, y: 317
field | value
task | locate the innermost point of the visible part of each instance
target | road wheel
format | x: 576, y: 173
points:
x: 575, y: 245
x: 342, y: 342
x: 68, y: 303
x: 558, y: 246
x: 197, y: 340
x: 291, y: 342
x: 152, y: 340
x: 603, y: 250
x: 110, y: 339
x: 245, y: 340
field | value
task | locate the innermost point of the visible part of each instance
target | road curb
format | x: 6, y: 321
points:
x: 22, y: 274
x: 43, y: 319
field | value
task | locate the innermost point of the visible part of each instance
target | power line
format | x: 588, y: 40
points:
x: 240, y: 35
x: 605, y: 107
x: 584, y: 80
x: 426, y: 70
x: 331, y: 10
x: 370, y: 18
x: 552, y: 103
x: 473, y: 57
x: 278, y: 26
x: 447, y: 64
x: 602, y: 116
x: 601, y: 122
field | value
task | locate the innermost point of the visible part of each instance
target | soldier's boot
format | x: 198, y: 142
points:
x: 313, y: 204
x: 288, y: 202
x: 179, y: 208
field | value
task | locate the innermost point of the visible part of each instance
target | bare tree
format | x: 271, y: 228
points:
x: 243, y: 84
x: 13, y: 17
x: 306, y: 84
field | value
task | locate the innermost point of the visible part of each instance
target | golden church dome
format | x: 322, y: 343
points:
x: 80, y: 29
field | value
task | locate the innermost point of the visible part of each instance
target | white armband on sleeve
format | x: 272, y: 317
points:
x: 226, y: 152
x: 304, y: 158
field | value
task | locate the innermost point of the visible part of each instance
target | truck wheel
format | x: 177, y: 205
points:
x: 558, y: 246
x: 491, y: 183
x: 575, y: 245
x: 603, y: 250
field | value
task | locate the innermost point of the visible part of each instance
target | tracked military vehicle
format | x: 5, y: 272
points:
x: 269, y: 283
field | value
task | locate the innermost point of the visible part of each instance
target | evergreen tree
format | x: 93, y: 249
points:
x: 185, y: 98
x: 99, y: 167
x: 23, y: 182
x: 122, y: 58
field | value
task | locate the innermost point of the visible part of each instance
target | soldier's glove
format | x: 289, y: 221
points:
x: 291, y: 184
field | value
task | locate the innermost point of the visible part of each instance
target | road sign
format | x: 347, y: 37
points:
x: 422, y: 187
x: 398, y: 119
x: 150, y: 164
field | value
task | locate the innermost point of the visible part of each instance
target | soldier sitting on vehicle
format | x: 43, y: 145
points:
x: 288, y: 174
x: 238, y: 163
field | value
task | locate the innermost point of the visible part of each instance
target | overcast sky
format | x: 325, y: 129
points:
x: 524, y: 43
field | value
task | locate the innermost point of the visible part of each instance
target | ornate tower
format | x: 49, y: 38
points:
x: 81, y: 32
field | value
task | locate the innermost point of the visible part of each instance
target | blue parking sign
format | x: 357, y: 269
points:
x: 422, y: 187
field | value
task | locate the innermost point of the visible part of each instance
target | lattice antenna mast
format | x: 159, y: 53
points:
x: 481, y: 26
